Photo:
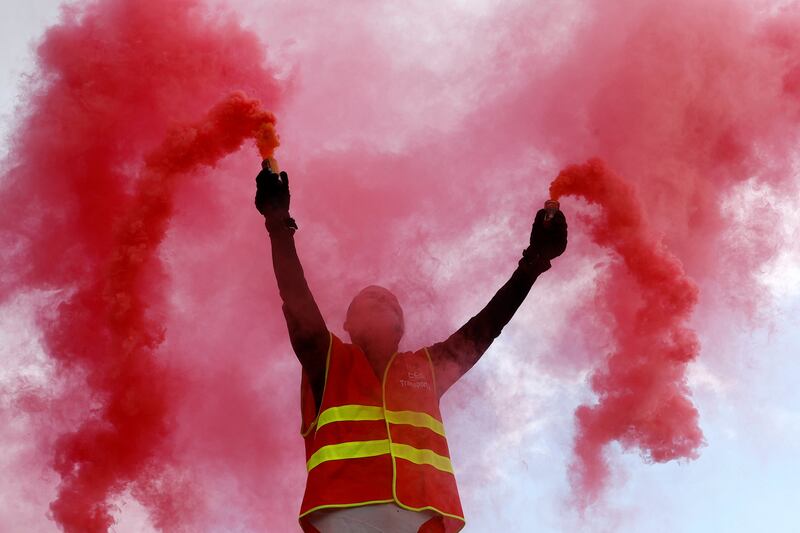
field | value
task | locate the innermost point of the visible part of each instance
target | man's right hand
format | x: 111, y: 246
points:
x: 272, y: 192
x: 272, y: 198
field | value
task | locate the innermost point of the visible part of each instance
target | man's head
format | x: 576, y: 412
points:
x: 375, y: 319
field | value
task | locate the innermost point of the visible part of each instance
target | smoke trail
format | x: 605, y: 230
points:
x: 89, y: 199
x: 105, y: 328
x: 643, y: 400
x: 687, y: 103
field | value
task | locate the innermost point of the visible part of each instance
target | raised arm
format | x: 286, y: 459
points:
x: 307, y: 331
x: 453, y: 357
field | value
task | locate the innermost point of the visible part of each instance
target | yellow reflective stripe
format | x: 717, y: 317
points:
x: 372, y: 448
x: 349, y: 413
x: 417, y: 419
x: 313, y: 423
x: 422, y: 457
x: 354, y: 413
x: 348, y: 450
x: 433, y: 374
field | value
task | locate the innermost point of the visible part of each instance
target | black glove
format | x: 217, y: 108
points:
x: 549, y: 237
x: 272, y: 198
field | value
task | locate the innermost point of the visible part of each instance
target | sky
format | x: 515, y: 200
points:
x: 510, y: 422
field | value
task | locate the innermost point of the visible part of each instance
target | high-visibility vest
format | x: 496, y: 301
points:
x: 378, y: 441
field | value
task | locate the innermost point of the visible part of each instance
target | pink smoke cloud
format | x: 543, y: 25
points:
x: 418, y: 153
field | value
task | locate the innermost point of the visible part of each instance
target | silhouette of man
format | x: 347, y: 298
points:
x: 376, y: 451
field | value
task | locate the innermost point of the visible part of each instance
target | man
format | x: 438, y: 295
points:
x: 377, y: 456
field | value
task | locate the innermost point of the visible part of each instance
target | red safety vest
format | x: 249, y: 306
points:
x: 378, y: 442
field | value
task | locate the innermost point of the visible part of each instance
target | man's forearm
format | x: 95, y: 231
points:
x: 294, y: 291
x: 307, y: 330
x: 456, y: 355
x: 484, y: 327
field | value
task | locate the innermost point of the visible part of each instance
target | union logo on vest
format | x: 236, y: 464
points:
x: 416, y: 380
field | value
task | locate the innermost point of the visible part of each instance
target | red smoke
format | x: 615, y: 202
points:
x: 100, y: 163
x: 417, y: 161
x: 104, y: 328
x: 646, y: 302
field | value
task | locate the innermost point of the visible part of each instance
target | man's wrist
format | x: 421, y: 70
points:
x: 532, y: 263
x: 279, y: 222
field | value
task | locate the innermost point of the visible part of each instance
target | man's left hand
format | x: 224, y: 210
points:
x: 549, y: 237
